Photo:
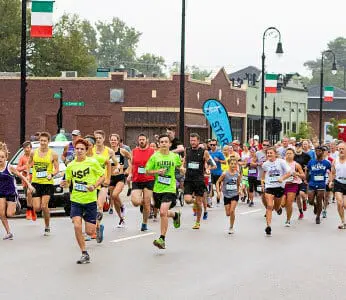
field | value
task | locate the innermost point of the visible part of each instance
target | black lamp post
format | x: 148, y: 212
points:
x: 278, y: 51
x: 182, y: 77
x: 321, y: 87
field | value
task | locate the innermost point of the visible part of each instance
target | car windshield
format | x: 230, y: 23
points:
x: 58, y: 149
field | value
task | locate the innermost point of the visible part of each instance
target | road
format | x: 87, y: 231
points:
x: 306, y: 261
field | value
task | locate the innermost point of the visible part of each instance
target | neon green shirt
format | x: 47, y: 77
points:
x: 171, y: 161
x: 83, y: 174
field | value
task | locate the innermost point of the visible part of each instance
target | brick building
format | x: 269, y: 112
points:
x: 118, y: 104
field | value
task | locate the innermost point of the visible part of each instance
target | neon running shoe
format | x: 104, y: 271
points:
x: 196, y: 226
x: 160, y: 243
x: 176, y: 221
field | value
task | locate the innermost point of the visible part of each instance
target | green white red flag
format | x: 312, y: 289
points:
x: 328, y: 93
x: 41, y: 19
x: 271, y: 83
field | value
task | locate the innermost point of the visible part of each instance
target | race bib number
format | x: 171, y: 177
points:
x: 193, y: 165
x: 164, y: 180
x: 273, y: 178
x: 259, y: 189
x: 290, y: 179
x: 118, y: 158
x: 341, y: 180
x: 141, y: 170
x: 252, y: 171
x: 318, y: 178
x: 80, y: 187
x: 41, y: 174
x: 231, y: 187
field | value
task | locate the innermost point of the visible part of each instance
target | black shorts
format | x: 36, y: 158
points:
x: 9, y: 198
x: 43, y: 190
x: 214, y: 178
x: 164, y: 197
x: 278, y: 192
x: 339, y: 187
x: 195, y: 187
x: 149, y: 185
x: 303, y: 187
x: 227, y: 201
x: 252, y: 183
x: 86, y: 211
x: 117, y: 178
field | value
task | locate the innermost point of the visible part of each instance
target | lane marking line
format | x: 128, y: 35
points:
x: 132, y: 237
x: 251, y: 211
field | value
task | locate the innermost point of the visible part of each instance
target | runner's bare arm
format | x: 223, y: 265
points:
x: 129, y: 157
x: 14, y: 171
x: 55, y: 160
x: 300, y: 172
x: 332, y: 174
x: 113, y: 158
x: 219, y: 183
x: 107, y: 179
x: 31, y: 160
x: 64, y: 154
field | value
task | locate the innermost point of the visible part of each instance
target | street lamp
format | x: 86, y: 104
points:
x: 182, y: 77
x: 321, y: 87
x: 278, y: 51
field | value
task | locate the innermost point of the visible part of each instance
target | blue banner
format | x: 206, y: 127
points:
x: 217, y: 116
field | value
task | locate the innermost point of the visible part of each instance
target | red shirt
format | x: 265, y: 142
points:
x: 22, y: 167
x: 140, y: 158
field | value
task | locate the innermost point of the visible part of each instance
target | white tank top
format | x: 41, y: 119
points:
x: 293, y: 179
x: 340, y: 169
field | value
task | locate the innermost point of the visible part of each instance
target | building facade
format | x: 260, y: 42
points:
x: 127, y: 106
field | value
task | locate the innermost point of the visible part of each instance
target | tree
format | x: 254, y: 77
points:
x: 305, y: 131
x: 10, y: 35
x: 199, y: 74
x: 333, y: 128
x: 117, y: 44
x: 150, y: 65
x: 338, y: 46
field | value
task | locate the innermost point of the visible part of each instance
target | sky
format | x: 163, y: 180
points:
x: 224, y: 33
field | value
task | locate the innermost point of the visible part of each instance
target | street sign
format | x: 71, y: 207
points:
x: 74, y: 103
x: 57, y: 96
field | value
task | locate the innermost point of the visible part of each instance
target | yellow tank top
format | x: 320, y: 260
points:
x: 101, y: 157
x: 42, y: 167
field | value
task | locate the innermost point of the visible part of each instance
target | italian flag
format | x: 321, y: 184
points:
x: 42, y: 19
x: 271, y: 83
x: 328, y: 93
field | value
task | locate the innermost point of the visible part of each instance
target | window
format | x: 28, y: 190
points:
x: 294, y: 127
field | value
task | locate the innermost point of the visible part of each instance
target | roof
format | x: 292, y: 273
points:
x: 242, y: 73
x: 338, y: 104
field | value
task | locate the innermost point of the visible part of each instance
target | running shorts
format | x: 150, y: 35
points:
x: 339, y: 187
x: 86, y: 211
x: 194, y: 187
x: 149, y: 185
x: 164, y: 198
x: 253, y: 182
x: 227, y: 201
x: 117, y: 178
x: 42, y: 190
x: 277, y: 192
x: 9, y: 198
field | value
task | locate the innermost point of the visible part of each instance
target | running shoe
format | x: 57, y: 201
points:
x: 279, y: 211
x: 123, y: 210
x: 8, y: 236
x: 144, y: 227
x: 110, y: 211
x: 318, y: 220
x: 251, y: 204
x: 33, y: 215
x: 129, y: 192
x: 342, y: 226
x: 176, y: 221
x: 304, y: 205
x: 85, y: 259
x: 47, y: 232
x: 324, y: 214
x: 28, y: 214
x: 268, y: 230
x: 121, y: 223
x: 247, y: 201
x: 230, y: 230
x: 301, y: 216
x: 87, y: 238
x: 99, y: 233
x: 196, y: 226
x: 315, y: 209
x: 205, y: 215
x: 160, y: 243
x: 288, y: 224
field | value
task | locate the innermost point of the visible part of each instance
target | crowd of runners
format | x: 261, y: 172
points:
x: 288, y: 172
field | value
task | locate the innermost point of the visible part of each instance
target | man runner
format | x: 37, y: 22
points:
x: 162, y: 164
x: 44, y: 162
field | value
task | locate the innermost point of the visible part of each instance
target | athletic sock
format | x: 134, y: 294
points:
x: 85, y: 252
x: 162, y: 237
x: 300, y: 210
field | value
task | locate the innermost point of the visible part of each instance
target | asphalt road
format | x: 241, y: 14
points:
x: 306, y: 261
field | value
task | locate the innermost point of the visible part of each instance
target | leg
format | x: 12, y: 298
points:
x: 165, y: 213
x: 111, y: 201
x: 137, y: 197
x: 199, y: 201
x: 101, y: 199
x: 3, y: 204
x: 28, y: 198
x: 147, y: 194
x: 45, y: 209
x: 37, y: 204
x: 289, y: 205
x: 341, y: 206
x: 320, y: 196
x: 90, y: 229
x: 11, y: 209
x: 77, y: 222
x: 269, y: 207
x: 115, y: 195
x: 233, y: 206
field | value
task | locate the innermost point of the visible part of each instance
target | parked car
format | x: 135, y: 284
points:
x: 61, y: 196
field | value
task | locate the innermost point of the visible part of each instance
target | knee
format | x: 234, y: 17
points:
x: 163, y: 213
x: 188, y: 200
x: 11, y: 213
x: 311, y: 201
x: 2, y: 215
x: 77, y: 226
x: 135, y: 202
x: 270, y: 206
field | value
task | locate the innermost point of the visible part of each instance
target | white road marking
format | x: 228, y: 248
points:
x: 132, y: 237
x: 250, y: 212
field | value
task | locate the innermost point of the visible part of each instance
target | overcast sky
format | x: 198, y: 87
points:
x: 224, y: 32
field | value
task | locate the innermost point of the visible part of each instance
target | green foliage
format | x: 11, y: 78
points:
x: 150, y: 65
x: 305, y: 131
x: 196, y: 72
x: 333, y: 128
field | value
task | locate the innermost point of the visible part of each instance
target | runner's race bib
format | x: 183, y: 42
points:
x: 164, y: 180
x: 273, y: 178
x: 259, y: 189
x: 80, y: 187
x: 252, y: 171
x: 193, y: 165
x: 318, y: 178
x: 41, y: 174
x: 231, y: 187
x: 141, y: 170
x: 118, y: 158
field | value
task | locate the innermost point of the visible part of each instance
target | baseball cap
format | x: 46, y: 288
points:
x: 299, y: 144
x: 319, y: 148
x: 256, y: 137
x: 76, y: 132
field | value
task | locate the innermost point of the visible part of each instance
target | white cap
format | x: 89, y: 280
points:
x: 76, y: 132
x: 256, y: 137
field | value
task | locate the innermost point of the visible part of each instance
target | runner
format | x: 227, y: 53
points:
x: 261, y: 158
x: 142, y: 184
x: 316, y: 174
x: 126, y: 165
x: 291, y: 185
x: 229, y: 184
x: 69, y: 153
x: 338, y: 180
x: 252, y: 165
x: 85, y: 174
x: 275, y: 171
x: 195, y: 159
x: 328, y: 190
x: 45, y: 165
x: 162, y: 165
x: 22, y: 167
x: 8, y: 192
x: 118, y: 177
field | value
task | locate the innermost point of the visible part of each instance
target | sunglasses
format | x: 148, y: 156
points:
x: 265, y: 144
x: 212, y: 144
